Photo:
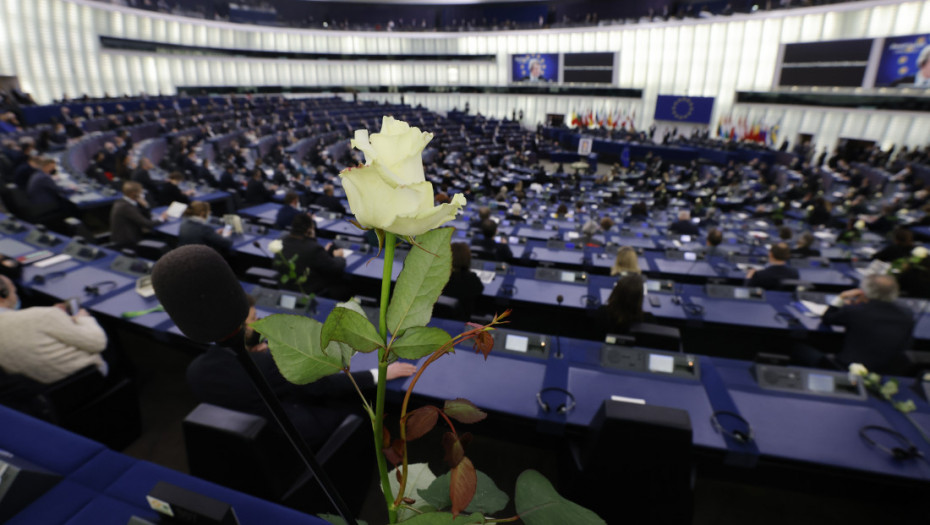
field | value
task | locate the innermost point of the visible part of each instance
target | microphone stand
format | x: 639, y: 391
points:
x: 558, y: 340
x: 237, y: 344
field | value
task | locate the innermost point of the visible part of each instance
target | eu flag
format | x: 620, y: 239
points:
x: 695, y: 110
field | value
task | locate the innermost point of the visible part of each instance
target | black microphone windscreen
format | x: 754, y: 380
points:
x: 200, y: 293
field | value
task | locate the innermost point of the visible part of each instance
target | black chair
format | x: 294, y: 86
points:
x: 244, y: 452
x: 657, y: 336
x: 86, y: 403
x: 639, y: 453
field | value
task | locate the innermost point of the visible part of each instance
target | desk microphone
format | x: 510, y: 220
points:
x: 558, y: 339
x: 201, y: 294
x: 262, y: 248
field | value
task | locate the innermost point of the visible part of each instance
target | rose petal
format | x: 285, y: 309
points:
x: 428, y: 219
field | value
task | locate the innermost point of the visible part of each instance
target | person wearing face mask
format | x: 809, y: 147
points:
x: 316, y: 409
x: 46, y: 343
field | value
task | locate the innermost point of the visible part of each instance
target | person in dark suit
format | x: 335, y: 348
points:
x: 683, y: 226
x: 286, y: 213
x: 316, y: 409
x: 41, y: 189
x: 772, y: 275
x: 878, y: 330
x: 493, y: 249
x: 280, y: 175
x: 130, y: 217
x: 804, y: 246
x: 463, y: 284
x: 624, y: 307
x: 902, y: 242
x: 22, y: 173
x: 170, y: 190
x: 329, y: 201
x: 195, y: 230
x: 821, y: 214
x: 255, y: 191
x: 142, y: 176
x: 326, y: 264
x: 228, y: 180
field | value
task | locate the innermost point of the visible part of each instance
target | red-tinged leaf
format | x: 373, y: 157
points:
x: 392, y: 456
x: 421, y: 421
x: 470, y: 325
x: 409, y: 501
x: 484, y: 343
x: 454, y: 448
x: 504, y: 315
x: 464, y: 411
x: 397, y: 474
x: 463, y: 483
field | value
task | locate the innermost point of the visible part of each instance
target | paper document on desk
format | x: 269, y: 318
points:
x: 814, y: 308
x: 347, y: 252
x: 823, y: 235
x: 176, y: 209
x: 486, y: 276
x: 745, y: 267
x: 759, y: 235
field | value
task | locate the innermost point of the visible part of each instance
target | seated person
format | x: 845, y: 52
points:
x: 326, y: 264
x: 624, y: 307
x: 195, y: 229
x: 820, y: 215
x: 714, y: 239
x: 130, y: 217
x: 592, y: 227
x: 772, y: 275
x: 42, y: 190
x: 328, y: 201
x: 683, y: 226
x: 228, y: 180
x: 639, y: 211
x: 45, y: 343
x: 142, y: 176
x: 463, y: 284
x: 804, y: 246
x: 902, y: 243
x: 785, y: 233
x: 288, y: 211
x: 878, y: 330
x: 316, y: 409
x: 515, y: 213
x: 498, y: 251
x: 484, y: 213
x: 171, y: 191
x: 255, y: 191
x: 626, y: 262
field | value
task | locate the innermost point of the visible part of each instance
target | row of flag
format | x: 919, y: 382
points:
x: 591, y: 118
x: 741, y: 129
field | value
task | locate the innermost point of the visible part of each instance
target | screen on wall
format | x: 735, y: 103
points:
x: 835, y: 63
x: 588, y: 68
x: 905, y: 62
x: 535, y: 67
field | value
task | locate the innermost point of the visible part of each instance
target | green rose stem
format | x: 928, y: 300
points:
x: 389, y: 241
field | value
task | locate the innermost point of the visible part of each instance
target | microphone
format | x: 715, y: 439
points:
x: 262, y: 248
x: 558, y: 340
x: 203, y: 297
x: 200, y: 292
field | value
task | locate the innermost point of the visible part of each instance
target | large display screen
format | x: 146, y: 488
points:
x: 535, y: 67
x: 905, y: 62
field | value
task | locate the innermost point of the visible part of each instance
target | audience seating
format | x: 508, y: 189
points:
x: 247, y: 453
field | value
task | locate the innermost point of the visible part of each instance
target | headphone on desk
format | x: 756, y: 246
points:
x: 740, y: 436
x: 44, y: 278
x: 906, y: 450
x: 561, y: 409
x: 93, y: 290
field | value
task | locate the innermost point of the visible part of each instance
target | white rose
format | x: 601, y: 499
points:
x: 858, y: 369
x: 920, y: 252
x: 390, y: 191
x: 860, y: 224
x: 275, y: 246
x: 810, y: 208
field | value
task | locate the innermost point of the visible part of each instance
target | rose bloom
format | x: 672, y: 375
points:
x: 390, y: 191
x: 858, y: 369
x: 920, y: 252
x: 275, y: 246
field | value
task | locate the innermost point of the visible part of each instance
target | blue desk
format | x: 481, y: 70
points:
x: 102, y: 487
